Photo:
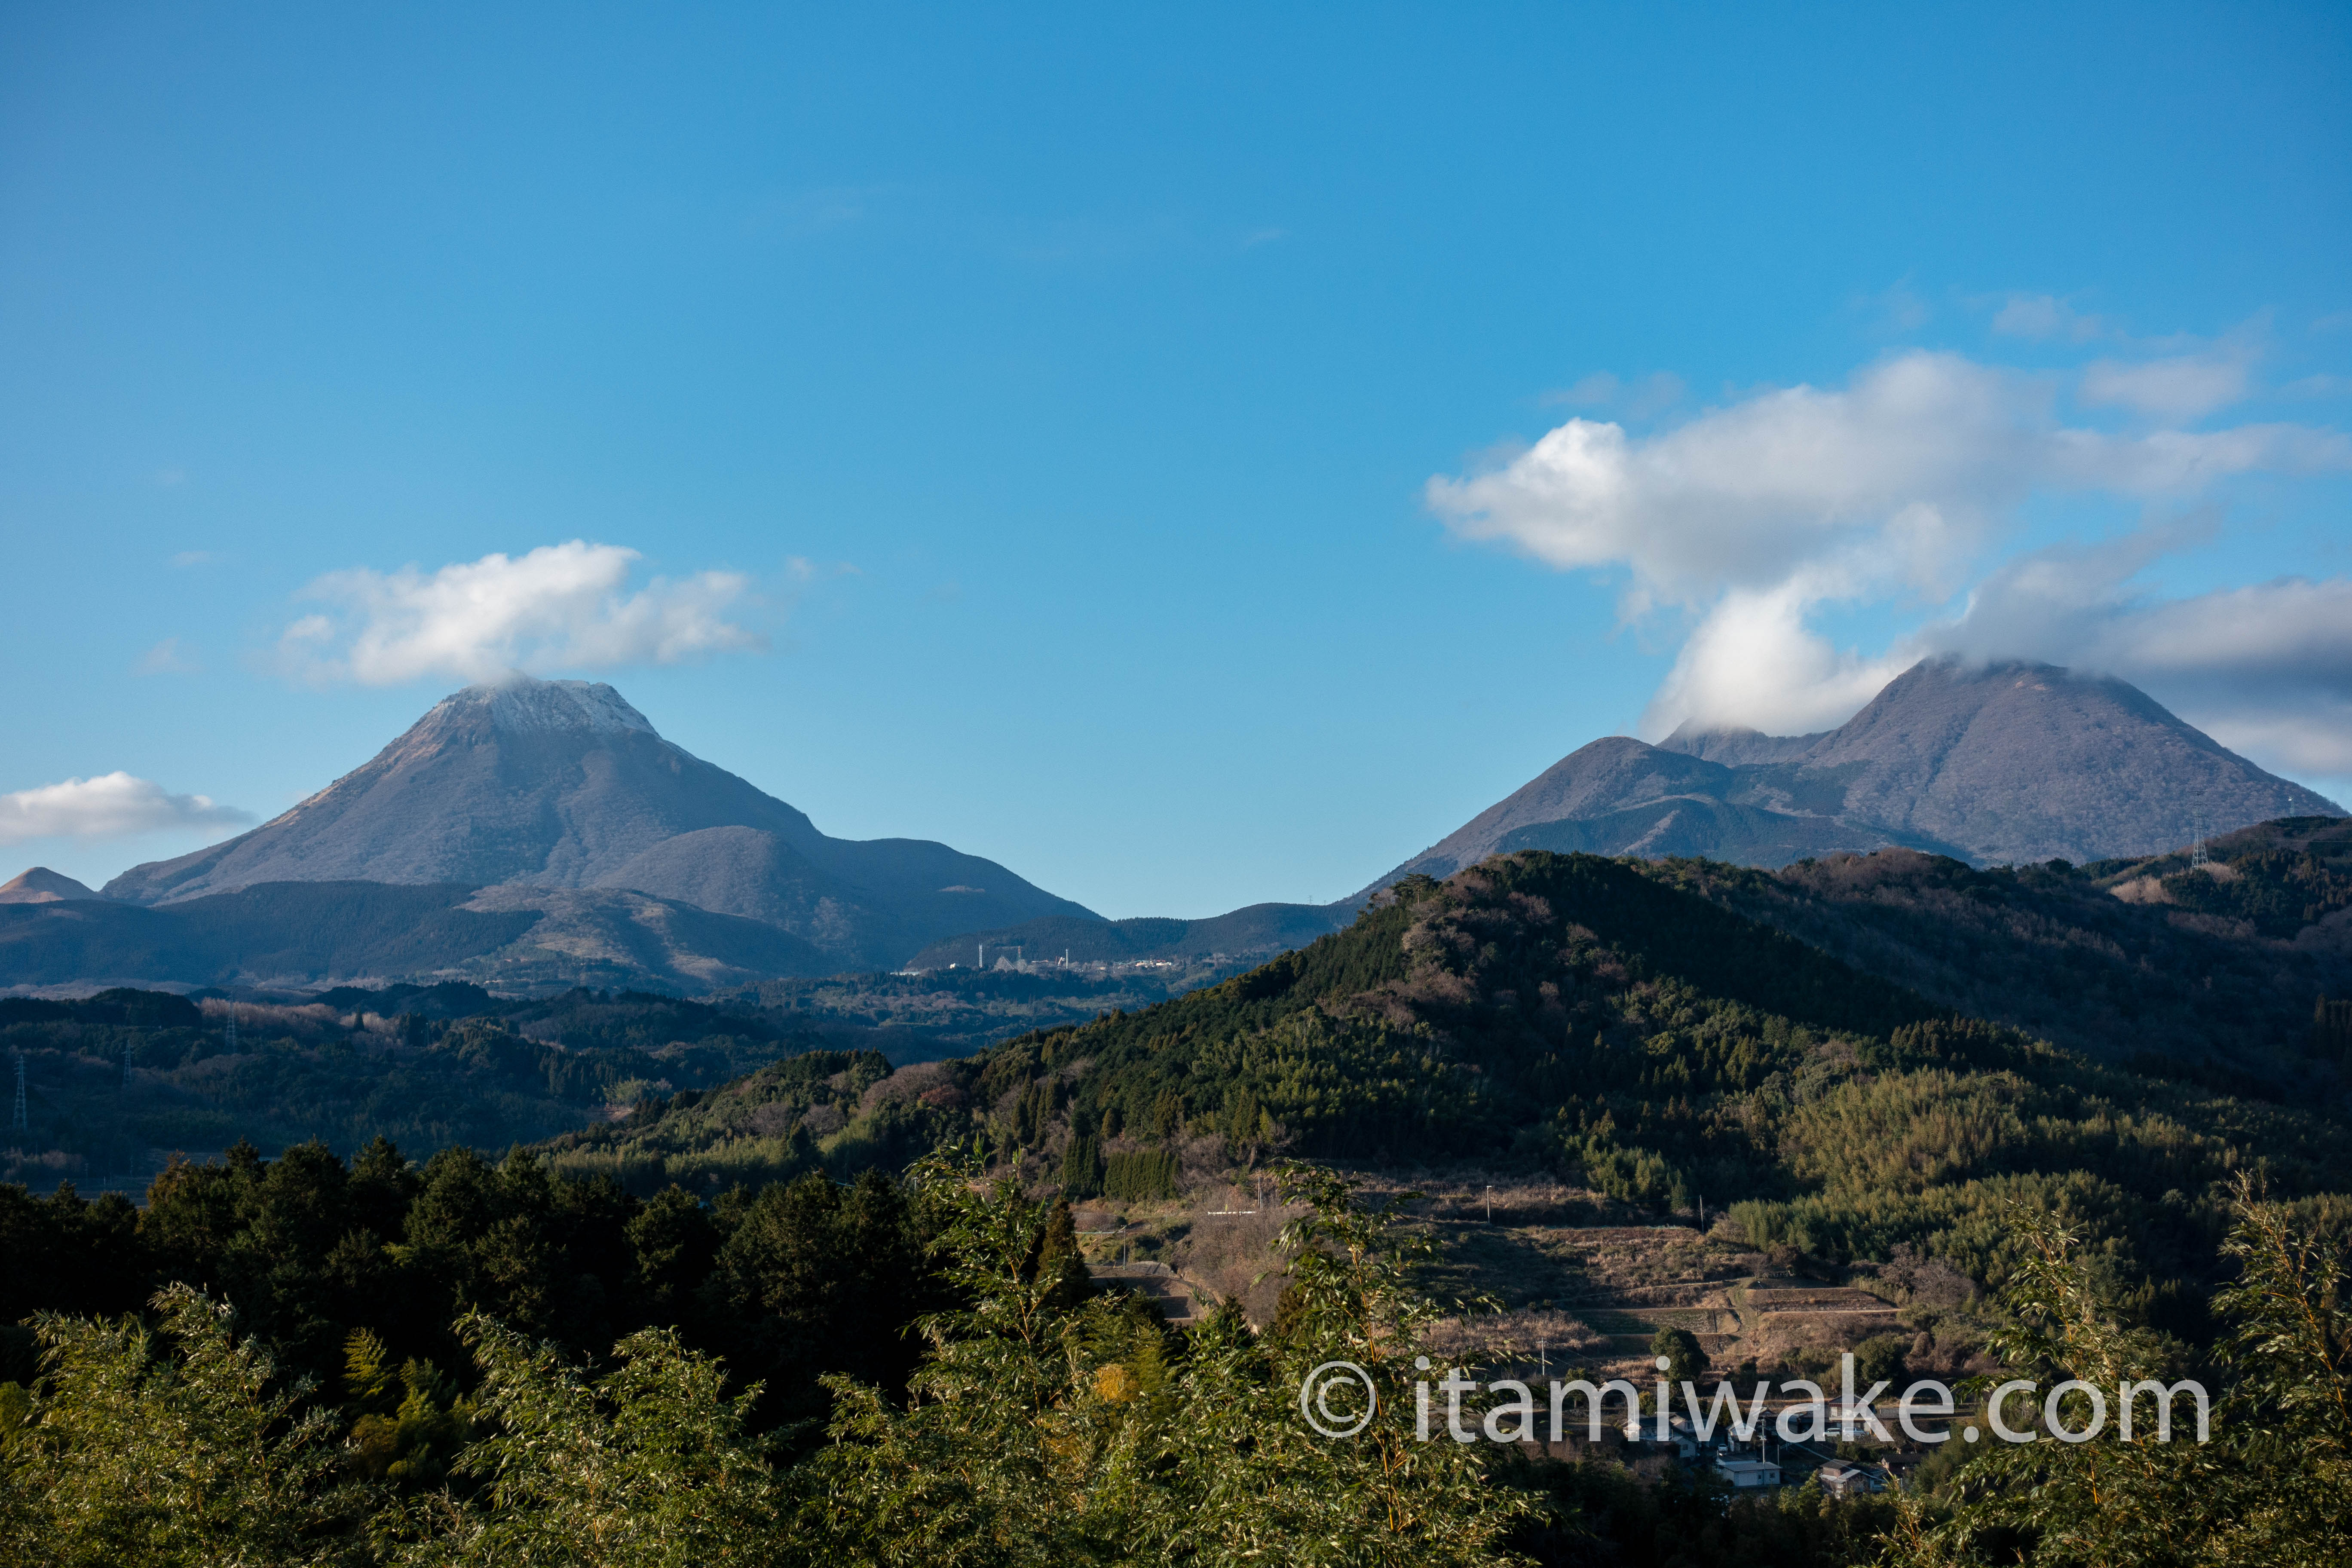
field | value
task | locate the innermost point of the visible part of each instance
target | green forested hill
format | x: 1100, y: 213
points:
x: 1601, y: 1021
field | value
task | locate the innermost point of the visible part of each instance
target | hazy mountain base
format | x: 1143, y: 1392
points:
x: 280, y: 934
x: 1258, y: 931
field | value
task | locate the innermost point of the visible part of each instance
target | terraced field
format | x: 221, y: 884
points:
x: 1591, y: 1294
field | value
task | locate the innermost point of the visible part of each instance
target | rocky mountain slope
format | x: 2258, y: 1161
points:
x: 562, y: 784
x: 2006, y: 762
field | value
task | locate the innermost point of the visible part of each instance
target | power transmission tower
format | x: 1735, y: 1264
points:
x: 126, y: 1064
x: 228, y: 1035
x: 17, y: 1118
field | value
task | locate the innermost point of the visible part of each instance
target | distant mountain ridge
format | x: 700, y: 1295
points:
x: 2012, y: 761
x: 562, y: 784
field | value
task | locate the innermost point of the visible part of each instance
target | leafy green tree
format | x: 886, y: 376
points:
x: 2289, y: 1339
x: 815, y: 1277
x: 412, y: 1423
x: 651, y: 1465
x: 2273, y: 1487
x: 182, y: 1445
x: 1879, y: 1359
x: 1680, y: 1350
x: 1252, y: 1481
x: 674, y: 1241
x: 1059, y: 1265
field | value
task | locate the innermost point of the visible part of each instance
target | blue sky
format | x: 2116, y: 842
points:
x: 1194, y: 456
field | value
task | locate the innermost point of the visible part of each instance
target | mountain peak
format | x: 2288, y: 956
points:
x: 521, y: 704
x: 42, y: 886
x: 562, y: 784
x: 1991, y: 760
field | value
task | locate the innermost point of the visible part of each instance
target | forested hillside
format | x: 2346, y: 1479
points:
x: 118, y: 1083
x: 1594, y: 1020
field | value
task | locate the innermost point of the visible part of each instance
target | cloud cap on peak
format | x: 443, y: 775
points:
x: 558, y: 606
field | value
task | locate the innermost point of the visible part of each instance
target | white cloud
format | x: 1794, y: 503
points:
x: 1651, y: 394
x: 1751, y: 663
x: 1595, y: 390
x: 1897, y: 308
x: 2266, y: 668
x: 560, y: 606
x: 2321, y: 386
x: 2045, y: 316
x: 165, y: 658
x: 1894, y: 486
x: 111, y: 806
x: 1897, y: 477
x: 2183, y: 387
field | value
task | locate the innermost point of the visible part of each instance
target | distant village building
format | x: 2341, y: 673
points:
x: 1744, y: 1474
x: 1845, y: 1478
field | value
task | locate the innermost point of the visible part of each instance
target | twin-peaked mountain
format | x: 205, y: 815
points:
x: 2000, y: 763
x: 560, y: 796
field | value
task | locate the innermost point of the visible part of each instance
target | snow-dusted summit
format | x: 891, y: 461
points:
x: 523, y: 703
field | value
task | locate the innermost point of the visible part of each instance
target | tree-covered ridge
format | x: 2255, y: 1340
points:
x: 119, y: 1081
x: 2278, y: 878
x: 1592, y: 1018
x: 2123, y: 961
x: 820, y: 1111
x: 450, y: 1062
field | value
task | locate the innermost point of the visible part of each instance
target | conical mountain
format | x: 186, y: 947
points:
x: 39, y: 885
x: 562, y: 784
x: 1995, y: 763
